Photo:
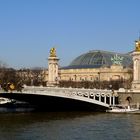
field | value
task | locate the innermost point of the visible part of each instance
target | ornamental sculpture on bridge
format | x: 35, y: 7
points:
x: 53, y: 52
x: 137, y: 46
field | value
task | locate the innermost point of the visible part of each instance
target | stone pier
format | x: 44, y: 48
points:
x: 136, y: 66
x: 52, y: 68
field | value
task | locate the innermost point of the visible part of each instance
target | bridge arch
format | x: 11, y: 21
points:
x: 81, y: 99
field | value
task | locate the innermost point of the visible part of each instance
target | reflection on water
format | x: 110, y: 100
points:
x: 69, y: 126
x: 10, y: 110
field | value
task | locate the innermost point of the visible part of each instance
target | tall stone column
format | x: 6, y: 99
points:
x: 136, y: 66
x: 53, y: 68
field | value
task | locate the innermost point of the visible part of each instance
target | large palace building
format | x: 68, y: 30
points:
x: 96, y: 65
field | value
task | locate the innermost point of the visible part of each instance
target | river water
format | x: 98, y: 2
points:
x: 68, y: 126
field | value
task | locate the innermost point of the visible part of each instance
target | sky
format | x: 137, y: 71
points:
x: 30, y: 28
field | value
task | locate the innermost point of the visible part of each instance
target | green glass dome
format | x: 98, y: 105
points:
x: 98, y: 58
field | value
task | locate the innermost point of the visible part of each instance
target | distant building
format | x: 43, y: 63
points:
x: 97, y: 65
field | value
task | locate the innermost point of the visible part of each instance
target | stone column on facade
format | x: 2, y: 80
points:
x: 53, y: 68
x: 136, y: 66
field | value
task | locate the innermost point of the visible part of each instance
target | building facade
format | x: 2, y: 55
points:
x: 96, y: 65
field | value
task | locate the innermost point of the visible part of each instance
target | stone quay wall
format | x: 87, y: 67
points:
x: 129, y: 97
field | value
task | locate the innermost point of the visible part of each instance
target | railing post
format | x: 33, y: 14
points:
x: 113, y: 100
x: 99, y: 97
x: 88, y: 95
x: 105, y: 99
x: 110, y: 99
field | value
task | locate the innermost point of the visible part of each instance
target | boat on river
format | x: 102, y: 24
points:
x: 5, y: 101
x: 122, y: 109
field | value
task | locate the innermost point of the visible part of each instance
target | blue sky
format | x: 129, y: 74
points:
x: 29, y: 28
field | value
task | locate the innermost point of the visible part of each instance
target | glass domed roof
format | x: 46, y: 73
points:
x: 98, y: 58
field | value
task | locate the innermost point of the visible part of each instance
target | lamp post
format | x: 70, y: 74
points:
x: 75, y: 77
x: 99, y: 80
x: 113, y: 95
x: 32, y: 81
x: 110, y: 87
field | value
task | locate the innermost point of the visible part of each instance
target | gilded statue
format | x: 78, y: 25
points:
x: 53, y: 52
x: 137, y: 46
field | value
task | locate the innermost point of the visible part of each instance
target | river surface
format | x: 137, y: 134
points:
x: 68, y: 126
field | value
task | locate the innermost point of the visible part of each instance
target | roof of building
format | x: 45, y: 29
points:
x: 98, y: 58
